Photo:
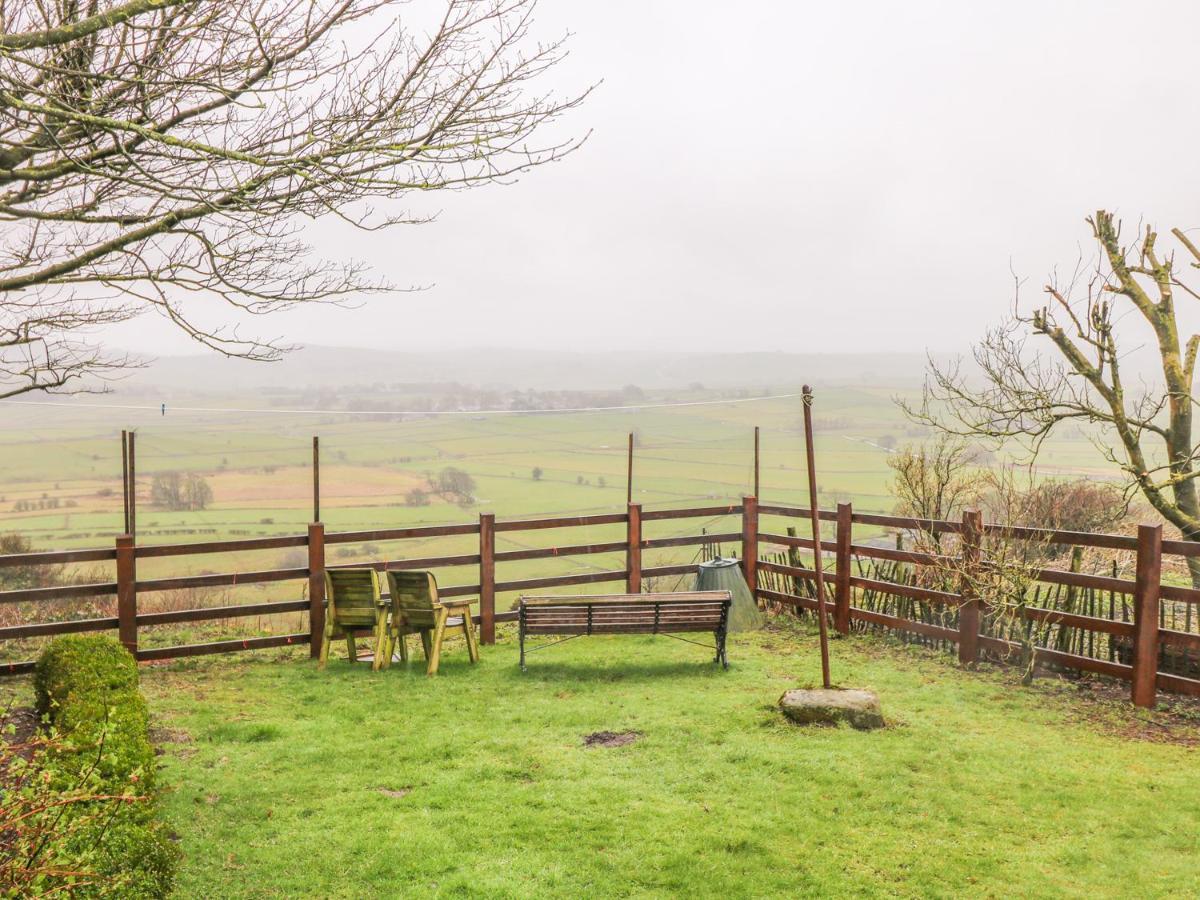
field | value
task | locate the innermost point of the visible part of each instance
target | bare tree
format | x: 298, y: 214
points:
x: 1021, y: 395
x: 165, y: 155
x: 179, y: 491
x: 935, y: 481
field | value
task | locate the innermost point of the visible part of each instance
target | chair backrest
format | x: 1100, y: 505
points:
x: 414, y: 597
x: 353, y: 595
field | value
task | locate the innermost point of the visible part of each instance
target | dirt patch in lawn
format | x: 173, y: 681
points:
x: 610, y: 738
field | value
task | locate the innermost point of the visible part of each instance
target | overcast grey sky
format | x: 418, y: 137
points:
x: 796, y: 176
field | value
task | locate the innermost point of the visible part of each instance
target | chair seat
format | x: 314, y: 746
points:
x: 451, y: 622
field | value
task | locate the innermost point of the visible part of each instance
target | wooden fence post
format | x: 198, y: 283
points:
x: 316, y: 587
x: 968, y: 612
x: 841, y: 597
x: 633, y: 550
x: 127, y: 593
x: 487, y: 578
x: 750, y: 543
x: 1145, y: 614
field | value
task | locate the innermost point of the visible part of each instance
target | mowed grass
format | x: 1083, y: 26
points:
x: 287, y: 781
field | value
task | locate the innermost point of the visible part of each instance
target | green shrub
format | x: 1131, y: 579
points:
x: 87, y: 692
x: 137, y: 859
x: 77, y: 663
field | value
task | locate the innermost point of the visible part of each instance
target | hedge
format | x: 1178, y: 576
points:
x: 87, y: 692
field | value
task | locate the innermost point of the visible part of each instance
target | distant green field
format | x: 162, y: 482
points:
x: 259, y: 466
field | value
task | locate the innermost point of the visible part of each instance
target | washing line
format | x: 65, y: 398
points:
x: 163, y: 409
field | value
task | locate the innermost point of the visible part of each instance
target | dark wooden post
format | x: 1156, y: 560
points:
x: 1145, y: 614
x: 750, y: 543
x: 127, y: 593
x: 633, y: 550
x: 841, y: 583
x: 316, y: 587
x: 968, y: 612
x: 487, y: 578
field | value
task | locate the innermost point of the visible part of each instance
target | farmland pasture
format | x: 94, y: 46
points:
x: 259, y: 466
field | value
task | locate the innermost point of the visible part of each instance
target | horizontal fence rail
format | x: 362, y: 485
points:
x: 1144, y: 637
x: 1141, y: 640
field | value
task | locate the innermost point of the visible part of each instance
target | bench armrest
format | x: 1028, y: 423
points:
x: 457, y: 601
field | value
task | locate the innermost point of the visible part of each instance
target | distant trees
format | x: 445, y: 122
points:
x: 178, y: 491
x: 602, y: 481
x: 1015, y: 392
x: 157, y: 154
x: 416, y: 497
x: 537, y: 473
x: 37, y: 505
x: 456, y: 485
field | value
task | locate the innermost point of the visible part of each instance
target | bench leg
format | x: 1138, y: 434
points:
x: 521, y: 641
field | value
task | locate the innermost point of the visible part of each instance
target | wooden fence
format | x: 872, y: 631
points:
x: 1144, y: 634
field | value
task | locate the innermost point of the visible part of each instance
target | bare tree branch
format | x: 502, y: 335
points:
x: 167, y: 154
x: 1018, y: 394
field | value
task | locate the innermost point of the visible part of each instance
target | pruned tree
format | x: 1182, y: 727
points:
x: 935, y: 480
x: 1021, y: 393
x: 166, y: 155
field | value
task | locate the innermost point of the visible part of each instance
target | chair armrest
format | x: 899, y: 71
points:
x: 450, y: 604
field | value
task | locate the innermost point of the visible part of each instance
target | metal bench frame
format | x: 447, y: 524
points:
x: 640, y: 606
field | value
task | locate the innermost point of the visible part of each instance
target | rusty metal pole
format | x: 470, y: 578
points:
x: 816, y: 532
x: 132, y: 530
x: 756, y: 493
x: 316, y: 479
x: 125, y: 478
x: 629, y: 473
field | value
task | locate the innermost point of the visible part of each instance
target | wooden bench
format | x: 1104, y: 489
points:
x: 667, y: 614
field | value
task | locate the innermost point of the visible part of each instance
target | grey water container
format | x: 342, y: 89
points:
x: 726, y: 575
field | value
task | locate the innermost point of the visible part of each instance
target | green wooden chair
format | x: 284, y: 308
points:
x: 353, y: 602
x: 416, y: 609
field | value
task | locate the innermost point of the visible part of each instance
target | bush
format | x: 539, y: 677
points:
x: 81, y: 664
x: 87, y: 692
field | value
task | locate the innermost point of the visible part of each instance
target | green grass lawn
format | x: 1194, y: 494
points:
x: 287, y: 781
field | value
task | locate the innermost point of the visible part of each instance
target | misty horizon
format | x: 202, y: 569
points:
x: 798, y: 178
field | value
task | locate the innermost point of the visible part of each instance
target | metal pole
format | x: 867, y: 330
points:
x: 132, y: 484
x: 125, y: 478
x: 756, y: 494
x: 816, y: 531
x: 316, y: 479
x: 629, y: 473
